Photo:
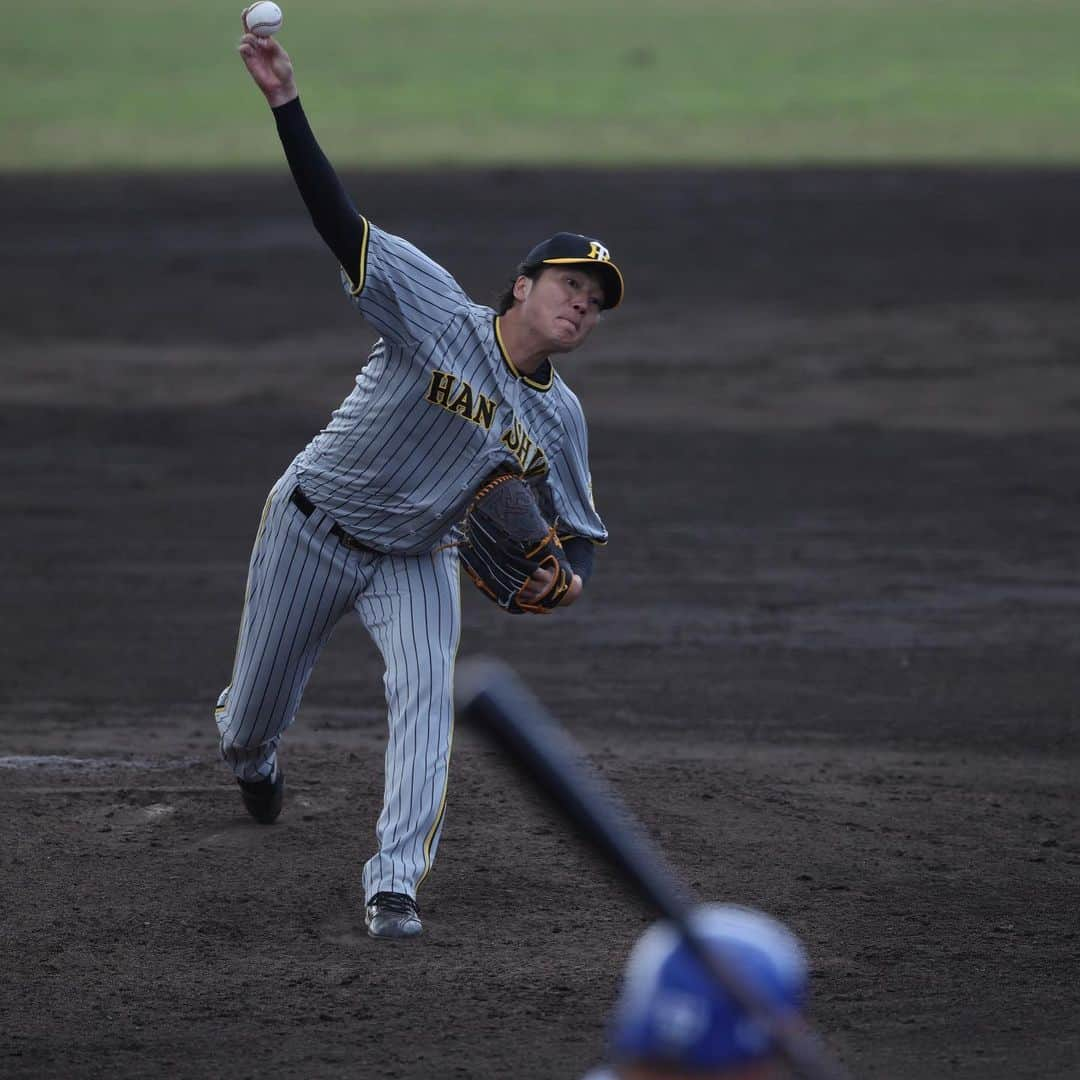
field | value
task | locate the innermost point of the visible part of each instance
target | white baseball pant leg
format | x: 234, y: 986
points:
x: 302, y: 580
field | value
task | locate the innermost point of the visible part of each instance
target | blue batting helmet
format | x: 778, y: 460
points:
x: 672, y: 1012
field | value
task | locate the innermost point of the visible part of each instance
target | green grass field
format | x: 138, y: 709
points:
x: 120, y: 83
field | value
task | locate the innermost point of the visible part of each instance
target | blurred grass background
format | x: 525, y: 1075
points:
x: 135, y: 84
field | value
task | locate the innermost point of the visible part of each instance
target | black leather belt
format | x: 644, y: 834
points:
x: 307, y: 508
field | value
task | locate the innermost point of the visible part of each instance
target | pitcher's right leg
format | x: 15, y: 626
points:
x: 301, y: 580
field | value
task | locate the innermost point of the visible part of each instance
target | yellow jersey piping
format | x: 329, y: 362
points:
x: 514, y: 371
x: 355, y: 291
x: 220, y: 709
x: 434, y: 830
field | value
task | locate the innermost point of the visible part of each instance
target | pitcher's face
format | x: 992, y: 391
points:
x: 562, y: 304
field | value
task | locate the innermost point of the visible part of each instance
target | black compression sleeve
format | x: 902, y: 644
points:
x: 582, y: 554
x: 331, y: 209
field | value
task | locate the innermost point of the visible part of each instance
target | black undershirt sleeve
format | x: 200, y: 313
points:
x: 332, y: 211
x: 582, y: 554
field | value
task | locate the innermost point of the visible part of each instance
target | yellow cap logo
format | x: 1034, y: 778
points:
x: 598, y: 251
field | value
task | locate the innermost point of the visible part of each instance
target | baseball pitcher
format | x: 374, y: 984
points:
x: 459, y: 445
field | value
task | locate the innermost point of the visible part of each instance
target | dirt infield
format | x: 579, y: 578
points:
x: 830, y: 654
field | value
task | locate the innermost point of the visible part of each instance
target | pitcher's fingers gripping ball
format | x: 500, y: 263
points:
x: 263, y: 18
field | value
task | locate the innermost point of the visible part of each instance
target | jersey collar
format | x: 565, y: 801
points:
x: 537, y: 379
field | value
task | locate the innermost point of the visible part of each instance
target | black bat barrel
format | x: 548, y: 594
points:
x: 491, y: 698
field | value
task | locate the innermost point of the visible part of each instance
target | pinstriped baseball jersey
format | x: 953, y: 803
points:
x: 437, y: 407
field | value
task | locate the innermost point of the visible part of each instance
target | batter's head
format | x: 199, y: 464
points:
x: 672, y: 1013
x: 565, y: 247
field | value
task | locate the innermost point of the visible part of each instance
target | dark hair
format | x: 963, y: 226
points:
x: 505, y: 299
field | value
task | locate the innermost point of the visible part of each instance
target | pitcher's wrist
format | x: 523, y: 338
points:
x: 282, y: 96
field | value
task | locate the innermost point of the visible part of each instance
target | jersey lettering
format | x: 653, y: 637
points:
x: 440, y: 387
x: 462, y: 404
x: 468, y: 403
x: 530, y: 457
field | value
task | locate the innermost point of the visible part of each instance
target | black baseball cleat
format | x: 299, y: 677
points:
x: 392, y: 915
x: 263, y: 798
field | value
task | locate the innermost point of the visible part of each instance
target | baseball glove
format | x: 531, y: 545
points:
x: 504, y: 539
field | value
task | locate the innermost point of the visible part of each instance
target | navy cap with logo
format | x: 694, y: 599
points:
x: 565, y: 247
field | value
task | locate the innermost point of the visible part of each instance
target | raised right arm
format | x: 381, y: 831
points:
x: 332, y: 211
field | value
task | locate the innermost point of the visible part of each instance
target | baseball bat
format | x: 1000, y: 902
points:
x: 491, y: 698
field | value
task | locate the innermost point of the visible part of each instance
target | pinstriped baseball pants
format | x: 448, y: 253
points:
x: 301, y: 581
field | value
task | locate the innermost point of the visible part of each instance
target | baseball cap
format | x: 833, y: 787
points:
x: 566, y: 247
x: 670, y: 1011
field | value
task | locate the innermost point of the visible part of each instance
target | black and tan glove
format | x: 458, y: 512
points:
x: 504, y: 540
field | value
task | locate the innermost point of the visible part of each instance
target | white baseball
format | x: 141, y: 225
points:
x: 263, y: 18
